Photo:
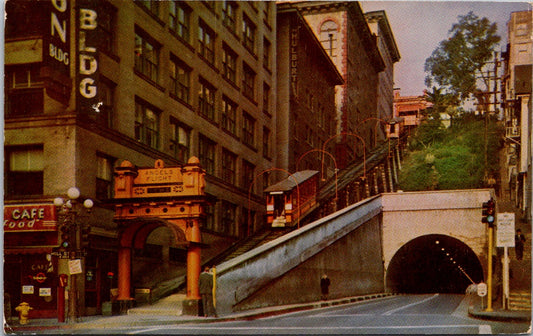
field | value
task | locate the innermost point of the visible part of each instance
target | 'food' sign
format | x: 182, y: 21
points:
x: 29, y: 217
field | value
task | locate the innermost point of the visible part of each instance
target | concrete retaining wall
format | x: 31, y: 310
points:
x: 353, y: 246
x: 288, y: 269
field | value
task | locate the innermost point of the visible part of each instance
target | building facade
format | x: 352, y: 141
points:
x: 410, y: 108
x: 518, y: 62
x: 307, y: 78
x: 342, y: 29
x: 379, y: 25
x: 90, y: 83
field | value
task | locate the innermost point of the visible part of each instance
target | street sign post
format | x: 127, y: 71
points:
x: 482, y: 291
x: 505, y: 238
x: 505, y: 229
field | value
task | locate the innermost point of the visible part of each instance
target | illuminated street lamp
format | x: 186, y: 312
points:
x: 70, y: 239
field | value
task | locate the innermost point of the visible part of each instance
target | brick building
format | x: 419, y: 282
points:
x: 91, y: 83
x: 342, y: 29
x: 307, y: 79
x: 379, y: 25
x: 409, y: 108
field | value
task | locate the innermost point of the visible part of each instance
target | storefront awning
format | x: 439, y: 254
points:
x: 28, y: 250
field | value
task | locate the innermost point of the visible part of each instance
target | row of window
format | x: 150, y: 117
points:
x: 25, y: 170
x: 180, y: 17
x: 231, y: 15
x: 25, y: 167
x: 147, y: 64
x: 24, y: 176
x: 147, y: 125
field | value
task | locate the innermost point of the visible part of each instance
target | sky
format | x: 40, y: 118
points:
x: 419, y: 26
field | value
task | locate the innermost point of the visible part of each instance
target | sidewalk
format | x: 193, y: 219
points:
x: 169, y: 317
x: 499, y: 314
x: 118, y: 321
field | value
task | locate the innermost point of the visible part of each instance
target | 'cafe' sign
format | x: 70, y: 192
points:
x: 29, y: 217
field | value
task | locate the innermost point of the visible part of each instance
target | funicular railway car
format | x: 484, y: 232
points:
x: 291, y: 199
x: 395, y: 129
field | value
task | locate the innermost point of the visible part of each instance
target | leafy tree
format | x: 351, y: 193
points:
x: 442, y: 102
x: 457, y: 63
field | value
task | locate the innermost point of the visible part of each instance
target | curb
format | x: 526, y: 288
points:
x: 245, y: 315
x: 499, y: 315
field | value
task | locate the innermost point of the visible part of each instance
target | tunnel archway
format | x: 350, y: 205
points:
x: 433, y: 264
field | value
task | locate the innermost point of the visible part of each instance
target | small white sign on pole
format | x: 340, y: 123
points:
x: 481, y: 289
x: 74, y: 266
x: 505, y: 229
x: 505, y: 233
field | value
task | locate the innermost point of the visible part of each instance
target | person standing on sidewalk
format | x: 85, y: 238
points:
x: 324, y: 287
x: 205, y: 284
x: 519, y: 240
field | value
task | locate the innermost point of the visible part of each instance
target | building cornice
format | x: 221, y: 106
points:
x: 353, y: 8
x: 381, y: 17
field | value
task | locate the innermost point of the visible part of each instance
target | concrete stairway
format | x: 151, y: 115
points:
x: 520, y: 301
x: 257, y: 239
x: 520, y: 270
x: 171, y: 305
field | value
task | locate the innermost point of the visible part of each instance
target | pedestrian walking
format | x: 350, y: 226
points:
x: 519, y: 241
x: 205, y: 284
x: 324, y: 286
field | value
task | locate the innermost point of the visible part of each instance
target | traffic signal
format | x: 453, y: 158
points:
x: 66, y: 236
x: 489, y: 212
x: 85, y: 236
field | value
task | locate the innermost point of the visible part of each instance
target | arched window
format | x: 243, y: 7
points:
x: 328, y: 37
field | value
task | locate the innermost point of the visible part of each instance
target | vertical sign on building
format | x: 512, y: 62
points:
x: 294, y: 37
x: 56, y: 51
x: 87, y: 56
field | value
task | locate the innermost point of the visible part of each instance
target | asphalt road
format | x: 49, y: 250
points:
x: 409, y: 314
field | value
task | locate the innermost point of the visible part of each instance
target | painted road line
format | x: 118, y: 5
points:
x: 485, y: 329
x: 390, y: 312
x: 314, y: 329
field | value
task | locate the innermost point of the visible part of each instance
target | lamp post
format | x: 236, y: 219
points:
x: 358, y: 137
x: 71, y: 241
x: 375, y: 132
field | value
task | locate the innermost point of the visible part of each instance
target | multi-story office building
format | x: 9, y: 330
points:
x: 342, y: 29
x: 91, y: 83
x: 379, y: 25
x: 305, y: 114
x: 518, y: 62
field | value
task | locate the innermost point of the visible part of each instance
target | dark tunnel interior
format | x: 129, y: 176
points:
x: 433, y: 264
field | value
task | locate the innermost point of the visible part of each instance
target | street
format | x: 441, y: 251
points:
x: 406, y: 314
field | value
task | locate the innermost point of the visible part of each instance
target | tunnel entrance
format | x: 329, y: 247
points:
x: 433, y: 264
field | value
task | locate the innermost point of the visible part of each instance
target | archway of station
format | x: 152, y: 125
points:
x: 158, y: 259
x: 433, y: 264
